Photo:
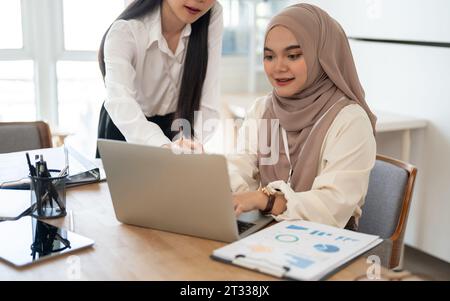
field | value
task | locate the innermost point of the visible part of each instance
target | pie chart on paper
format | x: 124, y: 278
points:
x: 326, y: 248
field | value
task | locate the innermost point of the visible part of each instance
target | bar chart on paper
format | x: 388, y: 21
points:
x: 319, y: 233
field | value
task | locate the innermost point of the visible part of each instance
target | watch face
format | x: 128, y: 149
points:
x: 265, y: 191
x: 268, y: 190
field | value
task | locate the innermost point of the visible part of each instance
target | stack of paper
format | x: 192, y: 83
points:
x: 297, y: 249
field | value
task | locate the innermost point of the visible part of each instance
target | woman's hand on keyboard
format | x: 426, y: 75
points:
x: 248, y: 201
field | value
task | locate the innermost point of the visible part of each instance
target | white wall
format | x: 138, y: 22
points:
x: 413, y: 20
x: 234, y: 73
x: 414, y: 80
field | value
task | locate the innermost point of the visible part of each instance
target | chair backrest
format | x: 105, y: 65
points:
x: 386, y: 207
x: 19, y: 136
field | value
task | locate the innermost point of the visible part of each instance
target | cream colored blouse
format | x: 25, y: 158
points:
x: 346, y: 158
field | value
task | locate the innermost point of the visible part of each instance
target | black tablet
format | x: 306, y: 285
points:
x: 29, y: 240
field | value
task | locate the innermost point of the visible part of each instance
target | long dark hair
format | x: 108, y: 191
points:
x: 196, y: 57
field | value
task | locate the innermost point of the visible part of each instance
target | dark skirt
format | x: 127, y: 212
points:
x: 108, y: 130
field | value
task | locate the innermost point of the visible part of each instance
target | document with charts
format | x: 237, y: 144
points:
x: 297, y: 249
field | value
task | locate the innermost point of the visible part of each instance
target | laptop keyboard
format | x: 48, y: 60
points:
x: 243, y: 226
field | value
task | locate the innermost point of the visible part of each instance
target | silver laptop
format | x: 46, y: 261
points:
x: 182, y: 193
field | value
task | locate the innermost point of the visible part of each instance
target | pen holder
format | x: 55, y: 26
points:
x: 48, y: 195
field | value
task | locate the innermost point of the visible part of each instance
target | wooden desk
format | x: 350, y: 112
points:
x: 123, y: 252
x: 237, y: 105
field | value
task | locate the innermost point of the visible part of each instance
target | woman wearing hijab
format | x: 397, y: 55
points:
x: 315, y: 146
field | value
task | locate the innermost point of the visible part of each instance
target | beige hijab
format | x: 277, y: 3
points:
x: 332, y: 83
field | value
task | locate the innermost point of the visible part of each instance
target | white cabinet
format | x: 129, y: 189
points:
x: 408, y: 20
x: 405, y: 78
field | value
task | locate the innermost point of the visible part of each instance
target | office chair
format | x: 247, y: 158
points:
x: 386, y: 207
x: 19, y: 136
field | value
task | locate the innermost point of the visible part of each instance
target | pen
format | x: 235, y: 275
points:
x: 38, y: 165
x: 36, y: 160
x: 38, y: 186
x: 50, y: 188
x: 42, y: 172
x: 61, y: 206
x: 66, y: 157
x: 30, y: 167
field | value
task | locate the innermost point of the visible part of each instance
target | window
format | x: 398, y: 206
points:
x: 237, y: 27
x: 245, y: 22
x: 17, y: 101
x: 80, y: 95
x: 17, y: 91
x: 10, y: 24
x: 80, y: 85
x: 85, y: 22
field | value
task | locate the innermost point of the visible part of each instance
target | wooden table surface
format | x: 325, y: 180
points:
x: 123, y: 252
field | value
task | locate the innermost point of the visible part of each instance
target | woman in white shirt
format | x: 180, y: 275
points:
x: 315, y: 144
x: 159, y: 61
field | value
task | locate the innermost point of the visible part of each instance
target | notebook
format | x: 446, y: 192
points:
x: 298, y: 250
x: 14, y: 170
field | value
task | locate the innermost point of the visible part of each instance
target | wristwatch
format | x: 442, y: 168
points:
x: 270, y: 201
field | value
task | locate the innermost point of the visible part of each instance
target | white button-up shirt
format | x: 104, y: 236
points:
x: 143, y: 76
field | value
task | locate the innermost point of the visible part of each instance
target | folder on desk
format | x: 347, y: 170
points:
x: 298, y: 250
x: 14, y: 169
